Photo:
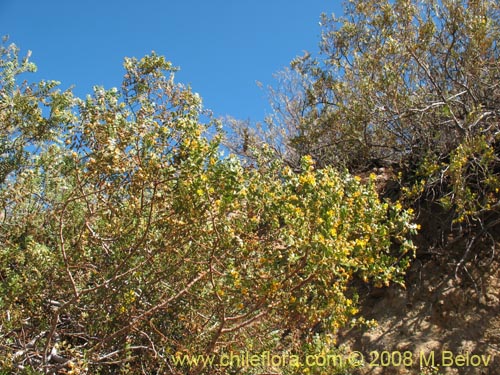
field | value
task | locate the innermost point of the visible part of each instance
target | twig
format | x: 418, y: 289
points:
x: 462, y: 261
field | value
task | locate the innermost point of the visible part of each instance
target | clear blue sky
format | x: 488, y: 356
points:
x: 222, y: 46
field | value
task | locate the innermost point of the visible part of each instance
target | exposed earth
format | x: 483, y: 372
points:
x: 450, y: 309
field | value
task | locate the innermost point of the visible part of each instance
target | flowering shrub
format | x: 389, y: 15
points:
x: 127, y: 238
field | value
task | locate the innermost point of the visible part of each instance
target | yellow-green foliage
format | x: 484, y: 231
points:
x: 407, y: 84
x: 126, y: 238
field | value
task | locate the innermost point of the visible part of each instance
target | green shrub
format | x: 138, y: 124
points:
x: 126, y: 238
x: 408, y: 86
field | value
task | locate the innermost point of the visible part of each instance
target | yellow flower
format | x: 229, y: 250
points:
x: 361, y: 242
x: 308, y: 160
x: 307, y: 179
x: 274, y: 286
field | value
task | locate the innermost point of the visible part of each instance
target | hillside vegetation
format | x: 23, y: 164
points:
x: 130, y: 243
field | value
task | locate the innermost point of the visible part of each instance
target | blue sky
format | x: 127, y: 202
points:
x: 222, y: 46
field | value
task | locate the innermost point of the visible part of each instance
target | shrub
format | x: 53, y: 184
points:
x: 127, y: 239
x: 411, y: 86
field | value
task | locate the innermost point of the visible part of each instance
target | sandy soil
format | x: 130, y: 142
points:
x: 437, y: 314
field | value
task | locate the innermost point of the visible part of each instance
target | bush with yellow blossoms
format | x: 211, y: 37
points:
x: 128, y: 240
